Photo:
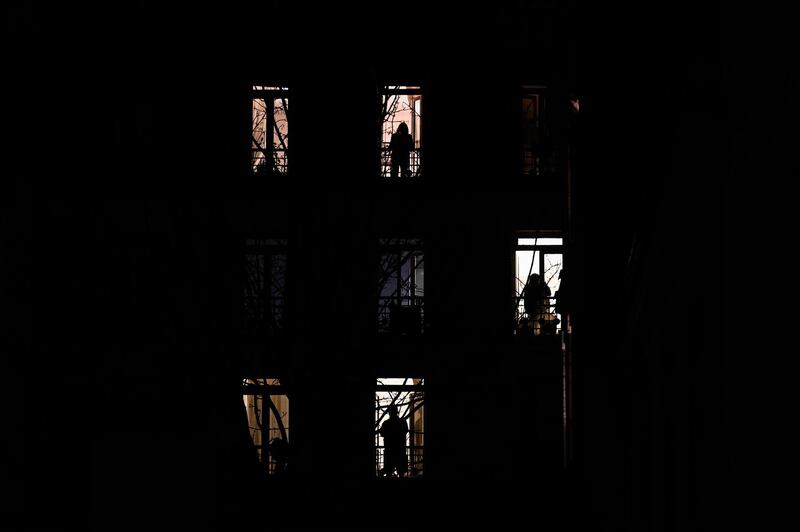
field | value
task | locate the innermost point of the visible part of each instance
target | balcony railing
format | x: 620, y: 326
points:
x: 414, y: 163
x: 264, y: 318
x: 414, y: 460
x: 544, y: 321
x: 262, y: 165
x: 401, y: 315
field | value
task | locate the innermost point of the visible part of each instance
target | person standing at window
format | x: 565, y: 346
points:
x: 537, y: 301
x: 400, y: 147
x: 394, y: 432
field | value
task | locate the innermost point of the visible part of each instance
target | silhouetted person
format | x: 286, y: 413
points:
x: 400, y: 147
x: 394, y: 432
x: 537, y: 298
x: 279, y: 450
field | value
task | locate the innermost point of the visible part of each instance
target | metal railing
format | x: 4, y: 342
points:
x: 270, y: 162
x: 414, y: 461
x: 264, y: 318
x: 414, y: 163
x: 544, y: 321
x: 401, y: 315
x: 539, y: 162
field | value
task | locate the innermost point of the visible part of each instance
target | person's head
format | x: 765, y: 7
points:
x: 533, y: 279
x: 392, y: 411
x: 402, y: 129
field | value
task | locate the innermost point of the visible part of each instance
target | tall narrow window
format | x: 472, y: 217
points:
x: 536, y: 146
x: 265, y: 286
x: 401, y: 132
x: 401, y: 286
x: 267, y: 407
x: 538, y: 263
x: 270, y: 131
x: 399, y: 427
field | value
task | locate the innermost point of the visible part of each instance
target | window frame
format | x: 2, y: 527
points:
x: 262, y: 391
x: 414, y: 250
x: 416, y: 437
x: 262, y: 321
x: 269, y: 93
x: 540, y: 253
x: 539, y: 134
x: 416, y: 156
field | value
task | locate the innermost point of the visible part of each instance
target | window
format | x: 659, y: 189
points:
x: 265, y: 286
x: 270, y: 131
x: 538, y: 259
x: 267, y: 407
x: 401, y: 286
x: 399, y: 427
x: 401, y: 132
x: 537, y: 149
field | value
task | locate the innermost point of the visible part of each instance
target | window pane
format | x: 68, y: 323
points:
x: 534, y: 298
x: 401, y: 288
x: 265, y: 286
x: 267, y: 412
x: 401, y: 131
x: 399, y: 435
x: 270, y: 131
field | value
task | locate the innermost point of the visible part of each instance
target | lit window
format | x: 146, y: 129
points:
x: 270, y: 131
x: 399, y: 427
x: 538, y: 263
x: 401, y: 132
x: 267, y: 407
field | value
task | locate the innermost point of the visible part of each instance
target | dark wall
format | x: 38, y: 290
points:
x: 686, y: 134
